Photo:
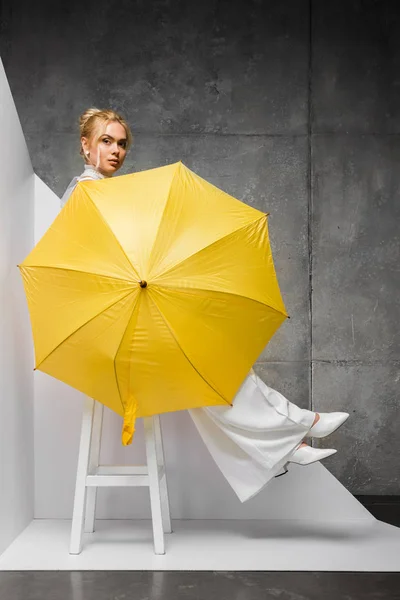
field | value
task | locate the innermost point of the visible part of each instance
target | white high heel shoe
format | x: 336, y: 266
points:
x: 305, y: 455
x: 327, y: 423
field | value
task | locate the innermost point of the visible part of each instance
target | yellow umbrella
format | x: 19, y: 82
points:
x: 152, y: 292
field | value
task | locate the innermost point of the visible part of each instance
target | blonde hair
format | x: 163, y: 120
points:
x: 93, y: 122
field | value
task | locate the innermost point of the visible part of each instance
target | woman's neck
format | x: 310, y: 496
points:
x: 99, y: 174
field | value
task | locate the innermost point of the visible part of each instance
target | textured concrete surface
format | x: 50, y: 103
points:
x: 355, y: 66
x: 172, y: 67
x: 356, y: 248
x: 159, y: 585
x: 368, y: 443
x: 292, y: 107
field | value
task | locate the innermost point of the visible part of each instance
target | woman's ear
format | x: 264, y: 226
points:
x: 85, y: 145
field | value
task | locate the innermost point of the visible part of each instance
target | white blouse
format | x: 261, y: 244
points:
x: 89, y: 173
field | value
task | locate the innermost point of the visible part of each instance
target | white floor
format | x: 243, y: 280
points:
x: 312, y: 523
x: 358, y: 545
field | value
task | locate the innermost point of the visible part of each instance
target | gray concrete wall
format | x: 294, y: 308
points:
x: 293, y: 107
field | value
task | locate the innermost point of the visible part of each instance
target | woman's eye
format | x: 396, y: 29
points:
x: 106, y: 141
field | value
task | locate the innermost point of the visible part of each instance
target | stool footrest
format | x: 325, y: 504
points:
x: 117, y: 480
x: 120, y: 470
x: 112, y: 477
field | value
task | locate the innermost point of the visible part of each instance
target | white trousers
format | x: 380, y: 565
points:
x: 251, y: 440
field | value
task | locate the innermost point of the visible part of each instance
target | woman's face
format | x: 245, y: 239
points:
x: 108, y: 153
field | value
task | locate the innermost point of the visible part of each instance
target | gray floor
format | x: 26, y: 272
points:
x: 159, y: 585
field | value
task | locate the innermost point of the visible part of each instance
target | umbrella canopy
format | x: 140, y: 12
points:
x: 152, y: 292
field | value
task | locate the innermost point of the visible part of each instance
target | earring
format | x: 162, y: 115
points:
x: 87, y: 152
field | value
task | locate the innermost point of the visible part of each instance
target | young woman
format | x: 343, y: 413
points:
x: 252, y: 440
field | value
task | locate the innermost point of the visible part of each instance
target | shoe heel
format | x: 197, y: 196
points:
x: 285, y: 470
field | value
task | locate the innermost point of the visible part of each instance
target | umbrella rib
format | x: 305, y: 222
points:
x: 112, y: 233
x: 80, y: 327
x: 161, y: 219
x: 180, y: 263
x: 188, y: 290
x: 186, y: 356
x: 77, y: 271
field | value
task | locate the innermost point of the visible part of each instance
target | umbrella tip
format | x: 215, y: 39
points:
x: 143, y: 283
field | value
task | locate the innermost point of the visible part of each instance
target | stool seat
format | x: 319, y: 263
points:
x: 91, y: 475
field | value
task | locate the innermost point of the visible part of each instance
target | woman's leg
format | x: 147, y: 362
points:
x: 246, y: 476
x: 252, y: 440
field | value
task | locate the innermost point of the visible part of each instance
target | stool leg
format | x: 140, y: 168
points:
x: 80, y: 487
x: 154, y: 486
x: 94, y: 456
x: 166, y: 516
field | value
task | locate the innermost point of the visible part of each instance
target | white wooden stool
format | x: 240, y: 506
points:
x: 90, y: 475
